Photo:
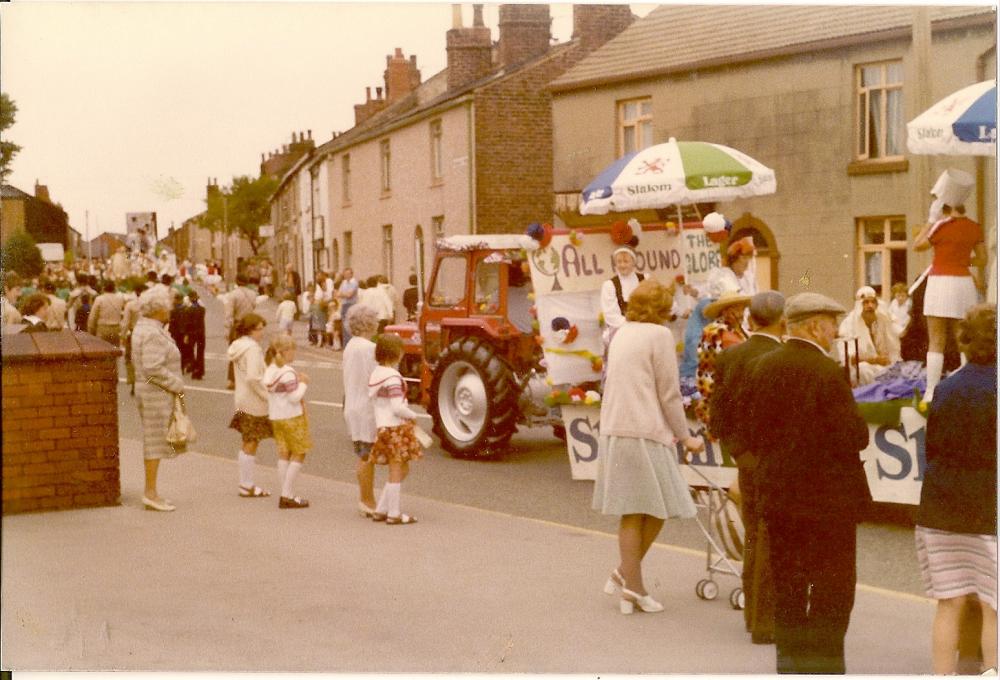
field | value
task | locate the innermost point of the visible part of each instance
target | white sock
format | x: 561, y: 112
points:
x: 293, y: 471
x: 246, y: 469
x: 382, y: 499
x: 282, y: 471
x: 935, y: 364
x: 393, y: 493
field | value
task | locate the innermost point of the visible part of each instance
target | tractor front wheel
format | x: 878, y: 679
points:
x: 473, y: 400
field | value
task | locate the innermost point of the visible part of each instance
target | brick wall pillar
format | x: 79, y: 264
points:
x: 60, y: 422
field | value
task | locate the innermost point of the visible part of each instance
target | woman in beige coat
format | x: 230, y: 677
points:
x: 158, y: 377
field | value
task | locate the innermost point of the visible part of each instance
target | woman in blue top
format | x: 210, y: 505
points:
x: 956, y: 530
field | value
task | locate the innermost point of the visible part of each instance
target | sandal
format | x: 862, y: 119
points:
x: 379, y: 517
x: 253, y: 492
x: 286, y: 502
x: 402, y: 519
x: 365, y: 511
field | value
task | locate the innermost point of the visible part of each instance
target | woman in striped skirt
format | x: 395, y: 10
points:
x: 956, y: 530
x: 158, y: 377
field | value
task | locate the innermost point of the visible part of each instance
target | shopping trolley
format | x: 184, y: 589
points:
x: 719, y: 520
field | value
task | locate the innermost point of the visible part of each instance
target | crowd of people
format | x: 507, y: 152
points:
x: 747, y: 355
x: 801, y: 484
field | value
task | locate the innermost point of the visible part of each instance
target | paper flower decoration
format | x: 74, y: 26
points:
x: 525, y: 267
x: 540, y: 232
x: 574, y: 238
x: 560, y: 323
x: 531, y: 296
x: 548, y: 380
x: 635, y: 224
x: 597, y: 364
x: 672, y: 226
x: 600, y: 318
x: 576, y: 394
x: 679, y: 279
x: 591, y: 397
x: 621, y: 233
x: 533, y: 310
x: 717, y: 227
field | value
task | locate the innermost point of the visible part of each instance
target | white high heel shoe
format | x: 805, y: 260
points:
x: 614, y: 582
x: 645, y: 602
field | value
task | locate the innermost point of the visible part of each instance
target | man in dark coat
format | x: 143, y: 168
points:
x: 178, y: 330
x: 194, y: 326
x: 811, y: 483
x: 728, y: 418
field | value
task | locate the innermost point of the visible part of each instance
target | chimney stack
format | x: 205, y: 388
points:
x: 470, y: 53
x: 525, y: 32
x: 594, y: 25
x: 401, y: 76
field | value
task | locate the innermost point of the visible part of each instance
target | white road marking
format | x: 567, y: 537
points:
x: 301, y: 363
x: 216, y: 390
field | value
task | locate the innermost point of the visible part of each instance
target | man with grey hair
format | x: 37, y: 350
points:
x: 359, y: 411
x: 807, y: 431
x: 729, y: 409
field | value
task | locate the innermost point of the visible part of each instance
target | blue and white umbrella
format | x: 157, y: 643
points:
x: 676, y: 173
x: 961, y: 124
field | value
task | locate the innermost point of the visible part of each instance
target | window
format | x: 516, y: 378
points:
x: 438, y: 223
x: 437, y: 164
x: 635, y: 119
x: 348, y: 248
x: 387, y: 250
x: 881, y: 252
x: 488, y: 287
x: 345, y: 178
x: 336, y: 255
x: 449, y: 282
x: 386, y: 157
x: 880, y: 125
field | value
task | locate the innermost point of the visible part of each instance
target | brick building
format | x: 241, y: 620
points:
x: 467, y: 150
x: 44, y: 220
x: 821, y: 94
x: 104, y: 245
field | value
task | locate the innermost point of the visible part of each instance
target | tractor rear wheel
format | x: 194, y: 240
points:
x: 473, y: 400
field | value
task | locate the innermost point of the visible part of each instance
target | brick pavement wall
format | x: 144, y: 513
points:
x: 60, y: 422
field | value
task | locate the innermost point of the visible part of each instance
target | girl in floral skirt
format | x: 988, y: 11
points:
x: 395, y: 444
x: 285, y: 389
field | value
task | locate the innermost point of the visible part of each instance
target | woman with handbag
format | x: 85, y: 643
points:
x: 157, y: 362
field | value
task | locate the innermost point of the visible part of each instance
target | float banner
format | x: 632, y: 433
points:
x: 701, y: 256
x: 565, y: 267
x: 894, y: 460
x: 571, y: 362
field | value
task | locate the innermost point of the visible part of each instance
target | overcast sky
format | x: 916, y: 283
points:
x: 131, y: 107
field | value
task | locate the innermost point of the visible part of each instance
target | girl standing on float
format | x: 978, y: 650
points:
x: 952, y: 288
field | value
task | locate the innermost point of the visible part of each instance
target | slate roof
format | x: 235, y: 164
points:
x: 684, y: 37
x: 9, y: 191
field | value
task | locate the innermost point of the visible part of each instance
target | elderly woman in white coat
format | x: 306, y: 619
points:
x: 157, y: 364
x: 642, y: 418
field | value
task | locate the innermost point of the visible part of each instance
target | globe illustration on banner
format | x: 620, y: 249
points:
x: 546, y: 261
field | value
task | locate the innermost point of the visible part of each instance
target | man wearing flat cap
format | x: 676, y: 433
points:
x: 812, y: 485
x: 730, y: 409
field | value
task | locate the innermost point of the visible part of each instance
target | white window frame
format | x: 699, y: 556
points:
x: 862, y: 112
x: 345, y: 178
x: 387, y: 250
x: 885, y: 248
x: 385, y: 164
x: 641, y: 124
x: 437, y: 153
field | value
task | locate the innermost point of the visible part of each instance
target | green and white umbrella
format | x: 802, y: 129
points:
x: 676, y: 173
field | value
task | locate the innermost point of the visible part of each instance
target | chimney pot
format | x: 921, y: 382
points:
x: 368, y: 94
x: 378, y: 92
x: 399, y: 52
x: 477, y: 15
x: 456, y: 16
x: 310, y: 133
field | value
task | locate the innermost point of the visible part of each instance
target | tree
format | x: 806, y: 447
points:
x: 244, y: 207
x: 8, y: 110
x: 20, y: 254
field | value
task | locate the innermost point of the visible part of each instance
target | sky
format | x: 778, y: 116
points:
x: 132, y: 106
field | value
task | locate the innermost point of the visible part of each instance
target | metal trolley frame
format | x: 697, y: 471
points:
x: 720, y: 522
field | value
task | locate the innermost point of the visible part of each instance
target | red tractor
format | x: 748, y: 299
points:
x: 471, y: 357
